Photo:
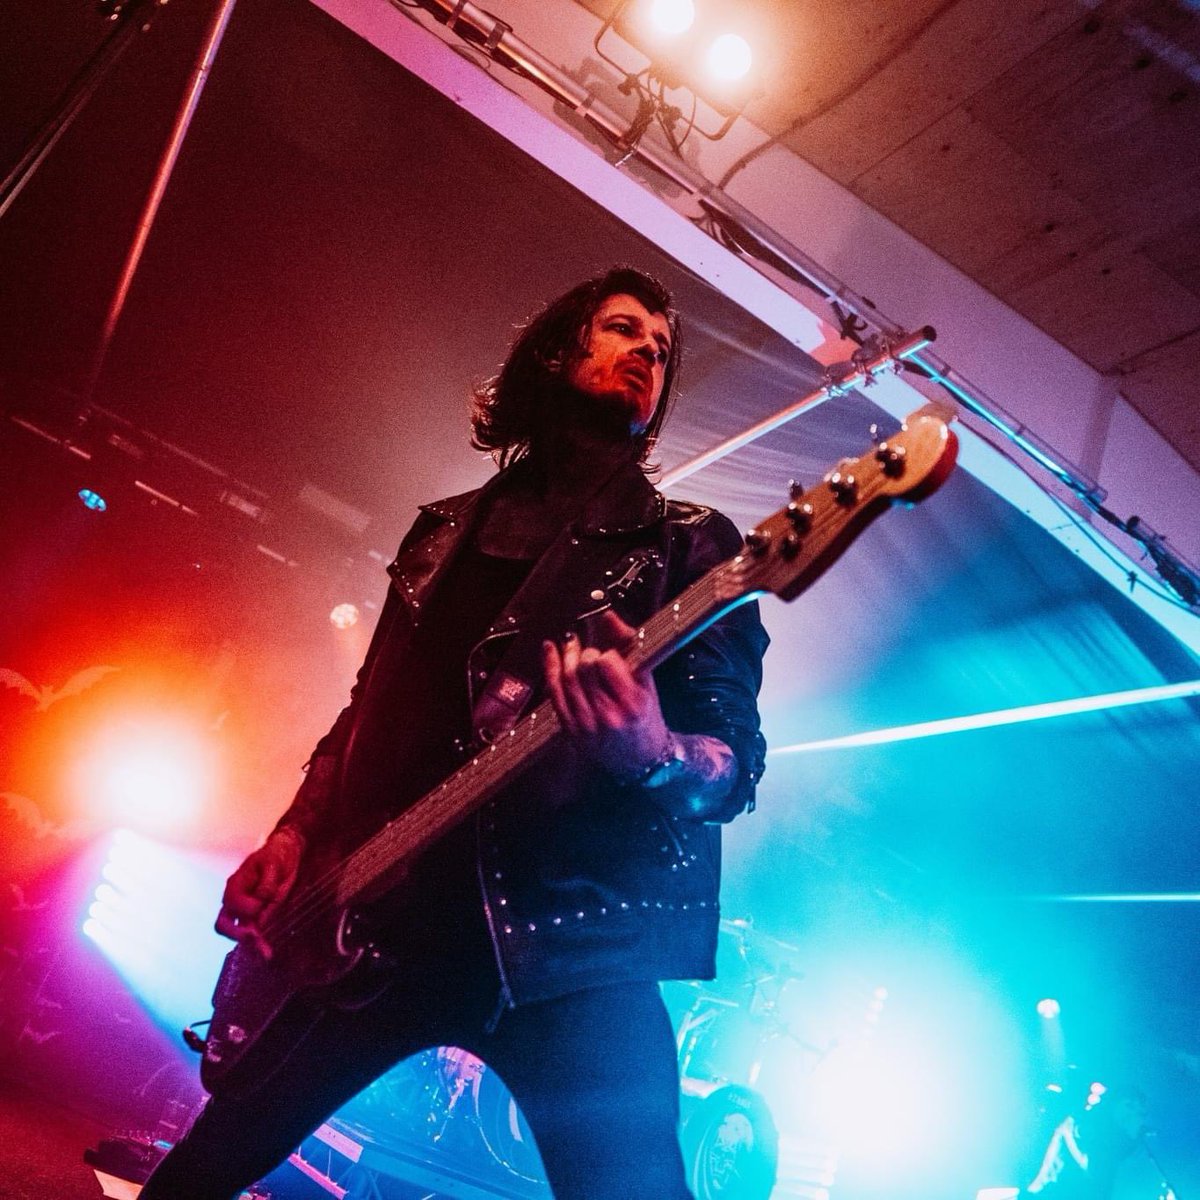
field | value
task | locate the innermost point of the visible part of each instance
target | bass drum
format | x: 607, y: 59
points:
x: 504, y: 1131
x: 731, y: 1146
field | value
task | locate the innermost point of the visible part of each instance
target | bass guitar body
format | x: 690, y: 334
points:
x: 321, y: 957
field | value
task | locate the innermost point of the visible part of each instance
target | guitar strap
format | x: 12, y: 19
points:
x: 594, y: 561
x: 552, y: 601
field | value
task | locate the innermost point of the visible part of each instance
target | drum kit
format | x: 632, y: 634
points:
x: 449, y: 1105
x: 737, y: 1053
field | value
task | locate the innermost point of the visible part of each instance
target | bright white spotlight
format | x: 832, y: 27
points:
x: 729, y: 57
x: 343, y: 616
x: 672, y: 16
x: 152, y: 775
x: 1048, y: 1008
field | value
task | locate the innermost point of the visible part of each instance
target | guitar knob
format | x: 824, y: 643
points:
x: 843, y: 487
x: 800, y: 516
x: 758, y: 540
x: 891, y: 458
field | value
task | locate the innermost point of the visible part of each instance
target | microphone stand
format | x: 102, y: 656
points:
x: 1166, y: 1190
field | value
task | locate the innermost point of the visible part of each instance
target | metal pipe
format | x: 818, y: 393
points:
x: 130, y: 20
x: 836, y: 384
x: 551, y: 78
x: 183, y: 118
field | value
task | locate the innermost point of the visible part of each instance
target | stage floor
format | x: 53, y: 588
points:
x: 41, y: 1147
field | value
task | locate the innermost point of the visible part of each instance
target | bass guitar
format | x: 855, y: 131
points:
x: 317, y: 945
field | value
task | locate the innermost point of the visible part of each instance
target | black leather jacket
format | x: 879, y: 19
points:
x: 585, y: 882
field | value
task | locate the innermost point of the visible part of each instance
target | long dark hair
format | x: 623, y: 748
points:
x: 509, y: 413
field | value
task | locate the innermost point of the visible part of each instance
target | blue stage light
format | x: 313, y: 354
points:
x: 1048, y: 1008
x: 151, y: 914
x: 1007, y: 716
x: 92, y: 500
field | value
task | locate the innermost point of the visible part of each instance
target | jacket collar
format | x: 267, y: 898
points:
x: 625, y: 503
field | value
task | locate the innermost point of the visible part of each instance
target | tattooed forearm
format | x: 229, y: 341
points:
x: 702, y: 775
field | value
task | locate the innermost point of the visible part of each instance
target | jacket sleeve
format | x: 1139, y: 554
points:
x: 711, y: 685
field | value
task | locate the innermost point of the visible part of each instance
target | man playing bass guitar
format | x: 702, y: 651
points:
x: 532, y: 934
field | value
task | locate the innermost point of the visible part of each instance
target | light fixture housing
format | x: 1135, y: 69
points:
x: 682, y: 56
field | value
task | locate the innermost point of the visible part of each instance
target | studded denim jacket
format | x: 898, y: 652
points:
x: 585, y: 882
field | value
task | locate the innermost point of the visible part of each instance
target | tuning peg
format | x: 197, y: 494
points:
x: 844, y: 487
x: 795, y: 489
x: 758, y: 540
x: 800, y: 515
x: 891, y: 458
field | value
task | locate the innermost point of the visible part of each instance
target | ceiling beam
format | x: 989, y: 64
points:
x: 1043, y: 386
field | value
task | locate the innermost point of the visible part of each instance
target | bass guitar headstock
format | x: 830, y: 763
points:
x: 786, y: 551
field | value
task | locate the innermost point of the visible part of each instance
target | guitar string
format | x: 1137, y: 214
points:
x: 415, y: 823
x: 486, y: 770
x: 490, y: 768
x: 427, y: 815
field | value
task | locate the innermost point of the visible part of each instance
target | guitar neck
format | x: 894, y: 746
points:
x: 501, y: 761
x: 783, y: 555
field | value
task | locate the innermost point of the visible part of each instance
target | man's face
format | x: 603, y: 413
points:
x: 624, y: 358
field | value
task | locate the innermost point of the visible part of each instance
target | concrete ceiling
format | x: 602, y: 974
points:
x: 1049, y: 150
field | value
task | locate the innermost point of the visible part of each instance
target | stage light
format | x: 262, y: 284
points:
x: 1048, y: 1008
x: 153, y: 774
x: 343, y: 616
x: 155, y: 926
x: 729, y: 57
x: 1006, y: 716
x: 92, y: 500
x: 703, y: 46
x: 672, y: 16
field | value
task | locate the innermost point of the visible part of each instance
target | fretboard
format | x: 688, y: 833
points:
x: 497, y: 764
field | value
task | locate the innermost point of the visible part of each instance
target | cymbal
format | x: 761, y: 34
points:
x: 758, y: 949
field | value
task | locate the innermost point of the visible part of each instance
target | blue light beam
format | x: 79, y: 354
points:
x: 151, y: 914
x: 1004, y: 716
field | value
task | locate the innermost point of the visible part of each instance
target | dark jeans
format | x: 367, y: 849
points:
x: 594, y: 1073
